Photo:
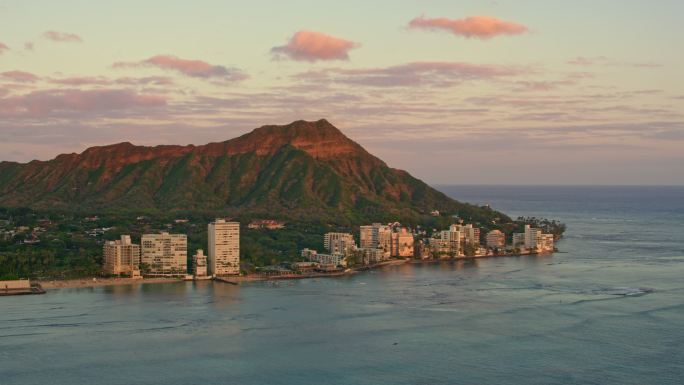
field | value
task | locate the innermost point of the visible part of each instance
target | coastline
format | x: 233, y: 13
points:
x: 97, y: 282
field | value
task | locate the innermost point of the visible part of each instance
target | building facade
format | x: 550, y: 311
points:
x: 328, y: 259
x: 121, y: 257
x: 533, y: 238
x: 375, y: 236
x: 547, y: 243
x: 339, y: 243
x: 401, y: 243
x: 199, y: 264
x: 496, y: 239
x: 165, y: 254
x: 224, y: 248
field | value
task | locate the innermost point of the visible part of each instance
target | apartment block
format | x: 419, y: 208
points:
x: 496, y: 239
x: 165, y: 254
x: 224, y: 248
x: 401, y: 243
x: 339, y: 243
x: 121, y: 257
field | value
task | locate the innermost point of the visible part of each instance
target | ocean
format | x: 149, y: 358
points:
x: 607, y: 309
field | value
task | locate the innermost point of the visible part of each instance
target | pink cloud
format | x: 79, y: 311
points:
x: 28, y: 46
x: 192, y: 68
x: 62, y: 36
x: 482, y: 27
x: 3, y: 47
x: 19, y: 76
x: 313, y: 46
x: 61, y: 102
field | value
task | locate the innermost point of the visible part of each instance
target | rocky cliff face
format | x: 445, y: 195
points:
x: 303, y: 168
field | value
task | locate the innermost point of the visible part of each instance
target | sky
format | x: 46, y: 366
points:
x: 455, y: 92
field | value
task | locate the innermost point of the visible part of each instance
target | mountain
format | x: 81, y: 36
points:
x: 298, y: 170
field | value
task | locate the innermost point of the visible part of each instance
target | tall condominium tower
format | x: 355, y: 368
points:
x: 165, y: 253
x: 224, y: 248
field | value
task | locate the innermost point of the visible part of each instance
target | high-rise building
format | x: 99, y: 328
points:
x: 339, y: 243
x: 366, y: 240
x: 121, y: 257
x: 224, y: 248
x: 165, y: 254
x: 376, y: 236
x: 469, y: 235
x: 533, y: 238
x: 199, y: 264
x: 402, y: 243
x: 496, y: 239
x: 518, y: 240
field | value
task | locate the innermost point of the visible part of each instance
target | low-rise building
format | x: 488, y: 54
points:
x: 371, y: 256
x: 328, y: 259
x: 270, y: 224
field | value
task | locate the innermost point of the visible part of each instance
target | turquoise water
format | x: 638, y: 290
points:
x: 609, y: 309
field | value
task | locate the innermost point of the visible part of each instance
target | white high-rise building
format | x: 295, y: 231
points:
x: 165, y: 254
x: 533, y: 238
x: 339, y: 243
x: 224, y: 248
x: 121, y: 257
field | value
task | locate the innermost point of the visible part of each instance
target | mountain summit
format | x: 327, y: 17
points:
x: 300, y: 169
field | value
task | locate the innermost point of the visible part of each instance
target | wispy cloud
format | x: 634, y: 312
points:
x: 19, y: 76
x: 438, y: 74
x: 3, y: 47
x: 481, y: 27
x: 313, y: 46
x: 192, y: 68
x: 68, y: 101
x: 62, y: 36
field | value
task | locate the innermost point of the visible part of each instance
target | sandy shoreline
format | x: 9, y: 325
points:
x: 96, y: 282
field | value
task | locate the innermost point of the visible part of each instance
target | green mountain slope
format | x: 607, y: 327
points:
x: 300, y: 170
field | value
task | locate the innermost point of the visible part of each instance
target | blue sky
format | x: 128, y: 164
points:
x: 513, y: 92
